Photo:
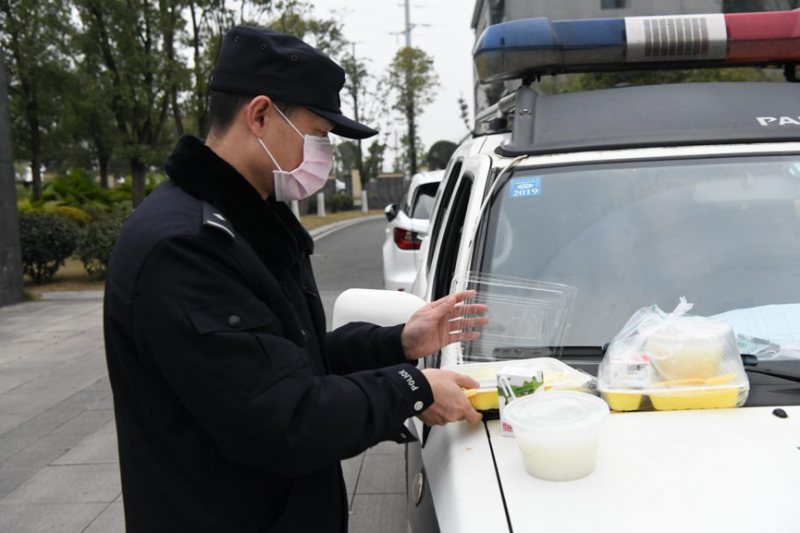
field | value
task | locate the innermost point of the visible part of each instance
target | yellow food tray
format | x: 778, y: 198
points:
x: 701, y: 399
x: 557, y: 375
x: 677, y: 400
x: 484, y: 400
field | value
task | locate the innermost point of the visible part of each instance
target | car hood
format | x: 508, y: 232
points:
x: 727, y: 470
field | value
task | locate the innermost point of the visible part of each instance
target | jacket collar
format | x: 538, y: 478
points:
x: 269, y: 226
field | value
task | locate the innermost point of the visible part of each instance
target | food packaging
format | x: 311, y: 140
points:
x: 558, y: 433
x: 527, y: 319
x: 556, y: 376
x: 514, y: 382
x: 673, y: 361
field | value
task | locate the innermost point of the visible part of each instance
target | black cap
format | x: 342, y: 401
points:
x: 255, y: 61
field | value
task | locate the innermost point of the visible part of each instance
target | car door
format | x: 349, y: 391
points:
x: 456, y: 460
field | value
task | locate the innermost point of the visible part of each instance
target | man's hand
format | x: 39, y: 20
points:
x: 450, y: 404
x: 429, y: 329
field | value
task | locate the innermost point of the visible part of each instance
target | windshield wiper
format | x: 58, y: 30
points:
x: 527, y: 352
x: 780, y: 375
x: 750, y: 361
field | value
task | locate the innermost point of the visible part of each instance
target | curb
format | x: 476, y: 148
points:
x: 72, y: 295
x: 324, y: 231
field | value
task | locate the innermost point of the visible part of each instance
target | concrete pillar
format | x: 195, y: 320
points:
x: 321, y: 204
x: 364, y: 202
x: 355, y: 177
x: 296, y: 208
x: 10, y: 254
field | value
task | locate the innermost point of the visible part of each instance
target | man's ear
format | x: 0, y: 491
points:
x: 257, y: 114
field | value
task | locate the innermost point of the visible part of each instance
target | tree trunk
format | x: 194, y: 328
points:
x: 139, y: 173
x: 359, y: 155
x: 36, y: 172
x: 169, y: 48
x: 104, y: 161
x: 176, y: 113
x: 36, y: 147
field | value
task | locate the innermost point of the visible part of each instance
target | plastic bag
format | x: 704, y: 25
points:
x: 673, y: 361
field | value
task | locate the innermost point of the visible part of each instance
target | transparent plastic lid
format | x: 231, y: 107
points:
x: 527, y: 318
x: 557, y: 410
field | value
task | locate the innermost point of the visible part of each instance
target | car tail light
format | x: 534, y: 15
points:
x: 406, y: 240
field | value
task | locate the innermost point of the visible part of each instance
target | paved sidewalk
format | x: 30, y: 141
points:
x: 58, y: 454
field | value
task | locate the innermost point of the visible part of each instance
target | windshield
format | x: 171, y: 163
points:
x: 725, y: 233
x: 423, y: 203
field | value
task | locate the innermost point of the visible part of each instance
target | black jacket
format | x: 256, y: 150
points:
x: 233, y: 405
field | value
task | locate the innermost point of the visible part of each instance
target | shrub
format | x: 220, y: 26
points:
x: 98, y: 242
x: 24, y: 205
x: 79, y: 216
x: 340, y: 202
x: 47, y: 240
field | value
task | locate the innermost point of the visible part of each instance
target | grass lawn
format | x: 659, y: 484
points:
x: 70, y: 277
x: 73, y: 277
x: 313, y: 221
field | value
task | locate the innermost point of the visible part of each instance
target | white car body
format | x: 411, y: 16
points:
x: 400, y: 265
x: 722, y: 464
x: 463, y: 463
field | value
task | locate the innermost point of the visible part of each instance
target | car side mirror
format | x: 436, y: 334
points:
x: 391, y: 212
x: 384, y: 308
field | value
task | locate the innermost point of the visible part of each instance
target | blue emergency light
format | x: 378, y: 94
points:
x: 532, y: 47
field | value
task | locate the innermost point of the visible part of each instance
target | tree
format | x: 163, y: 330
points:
x: 92, y: 123
x: 413, y: 81
x: 296, y: 17
x: 464, y: 108
x: 373, y: 165
x: 355, y: 84
x: 128, y: 37
x: 32, y: 31
x: 440, y: 154
x: 347, y: 153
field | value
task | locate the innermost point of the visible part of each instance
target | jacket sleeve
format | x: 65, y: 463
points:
x: 362, y: 346
x: 221, y: 351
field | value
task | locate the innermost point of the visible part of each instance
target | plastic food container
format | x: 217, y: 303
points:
x: 527, y: 318
x: 689, y: 348
x: 673, y: 361
x: 557, y: 376
x: 662, y: 399
x: 558, y: 433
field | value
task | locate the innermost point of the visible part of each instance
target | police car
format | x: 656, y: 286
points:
x: 634, y: 196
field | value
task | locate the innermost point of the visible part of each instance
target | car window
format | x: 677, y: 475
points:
x: 423, y: 200
x: 441, y: 208
x: 724, y: 233
x: 448, y: 251
x: 404, y: 203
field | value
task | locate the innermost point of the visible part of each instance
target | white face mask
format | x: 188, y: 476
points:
x: 312, y: 173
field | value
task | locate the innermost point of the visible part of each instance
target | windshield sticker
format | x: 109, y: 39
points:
x: 523, y: 187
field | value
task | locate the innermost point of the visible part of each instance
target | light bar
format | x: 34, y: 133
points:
x: 532, y: 47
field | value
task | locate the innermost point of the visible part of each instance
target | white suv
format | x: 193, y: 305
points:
x: 407, y: 228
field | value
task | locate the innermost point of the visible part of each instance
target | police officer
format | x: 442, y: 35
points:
x: 233, y: 405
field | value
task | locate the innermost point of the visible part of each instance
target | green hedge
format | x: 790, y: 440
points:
x: 47, y: 240
x: 78, y: 216
x: 98, y: 242
x: 340, y: 202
